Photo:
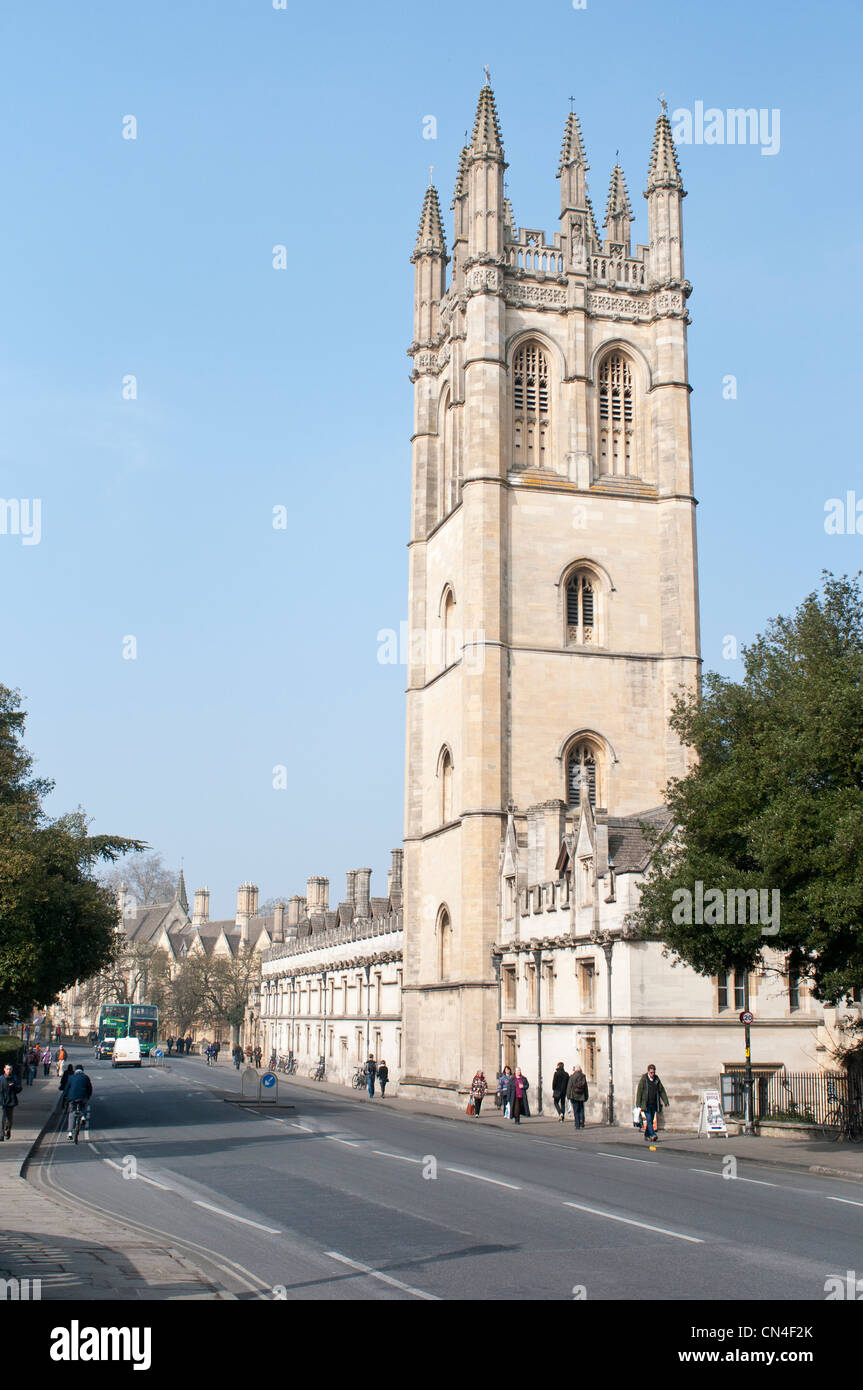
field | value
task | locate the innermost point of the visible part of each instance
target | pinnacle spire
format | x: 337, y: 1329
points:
x: 572, y: 149
x: 619, y: 206
x: 591, y: 220
x: 664, y: 170
x: 486, y: 139
x: 430, y: 236
x: 460, y: 189
x: 180, y: 894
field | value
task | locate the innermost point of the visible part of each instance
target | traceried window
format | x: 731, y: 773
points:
x: 531, y: 417
x: 616, y: 416
x: 445, y: 772
x: 581, y: 596
x: 444, y: 932
x: 580, y: 772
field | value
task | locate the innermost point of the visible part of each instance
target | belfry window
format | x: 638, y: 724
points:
x: 616, y: 416
x: 580, y: 774
x: 530, y: 407
x: 580, y: 610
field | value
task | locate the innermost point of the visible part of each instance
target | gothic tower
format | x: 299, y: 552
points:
x: 553, y: 606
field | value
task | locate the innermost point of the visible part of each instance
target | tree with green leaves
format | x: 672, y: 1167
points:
x: 773, y: 803
x: 57, y: 922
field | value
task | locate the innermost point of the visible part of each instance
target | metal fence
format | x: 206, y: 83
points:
x: 806, y: 1097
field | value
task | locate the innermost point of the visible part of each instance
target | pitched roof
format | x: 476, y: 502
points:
x: 628, y: 847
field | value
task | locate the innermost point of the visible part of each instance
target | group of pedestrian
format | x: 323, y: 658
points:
x: 571, y: 1087
x: 510, y: 1096
x: 376, y: 1071
x: 180, y: 1045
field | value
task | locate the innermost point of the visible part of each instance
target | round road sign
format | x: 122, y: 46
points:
x: 268, y: 1079
x: 747, y: 1017
x: 159, y: 1052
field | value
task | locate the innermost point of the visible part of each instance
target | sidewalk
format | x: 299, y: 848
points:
x: 74, y: 1252
x: 841, y: 1160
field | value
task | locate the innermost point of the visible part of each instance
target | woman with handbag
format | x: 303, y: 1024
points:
x: 517, y: 1094
x: 478, y: 1089
x: 501, y: 1100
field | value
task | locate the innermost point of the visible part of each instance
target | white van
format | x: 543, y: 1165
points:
x: 127, y: 1053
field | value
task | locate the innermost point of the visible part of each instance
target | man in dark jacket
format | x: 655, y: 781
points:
x: 559, y: 1083
x: 651, y: 1097
x: 371, y: 1072
x: 9, y: 1091
x: 79, y: 1088
x: 577, y: 1092
x: 188, y: 1044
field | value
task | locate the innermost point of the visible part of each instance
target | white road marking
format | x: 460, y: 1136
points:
x: 758, y: 1182
x: 624, y: 1158
x: 271, y: 1230
x: 497, y: 1181
x: 384, y: 1278
x: 847, y: 1200
x: 111, y: 1162
x: 333, y: 1140
x: 296, y: 1124
x: 152, y: 1181
x: 92, y: 1146
x: 404, y: 1158
x: 627, y: 1221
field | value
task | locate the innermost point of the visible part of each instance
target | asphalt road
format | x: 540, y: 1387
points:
x: 341, y: 1198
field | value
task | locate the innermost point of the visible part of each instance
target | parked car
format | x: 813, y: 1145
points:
x: 127, y: 1053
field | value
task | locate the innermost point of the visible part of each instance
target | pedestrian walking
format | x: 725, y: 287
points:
x: 651, y: 1097
x: 208, y: 1053
x: 478, y: 1091
x: 517, y: 1090
x: 10, y: 1089
x: 383, y: 1077
x: 501, y: 1100
x: 47, y: 1059
x: 188, y: 1044
x: 61, y: 1059
x: 577, y: 1092
x: 371, y: 1071
x: 217, y: 1047
x: 258, y: 1056
x: 237, y: 1055
x: 57, y: 1037
x: 170, y: 1042
x: 31, y: 1066
x: 559, y: 1083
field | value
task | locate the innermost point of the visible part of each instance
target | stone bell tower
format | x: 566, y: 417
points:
x: 553, y: 607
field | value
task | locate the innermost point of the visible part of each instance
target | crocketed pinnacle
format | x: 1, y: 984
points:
x: 509, y: 217
x: 591, y: 220
x: 430, y: 236
x: 460, y: 190
x: 664, y: 171
x: 486, y: 139
x: 618, y: 198
x: 572, y: 149
x: 180, y: 894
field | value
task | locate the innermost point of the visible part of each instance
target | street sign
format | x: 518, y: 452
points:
x: 747, y: 1017
x: 268, y: 1079
x: 712, y: 1120
x: 159, y: 1052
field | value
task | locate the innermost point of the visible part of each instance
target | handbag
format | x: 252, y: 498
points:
x: 471, y: 1108
x: 498, y: 1100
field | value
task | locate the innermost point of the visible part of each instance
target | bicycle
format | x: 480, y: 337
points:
x: 843, y: 1121
x: 79, y: 1118
x: 291, y: 1066
x: 319, y: 1073
x: 359, y: 1081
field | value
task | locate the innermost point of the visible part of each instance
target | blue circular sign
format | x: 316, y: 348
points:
x: 268, y: 1079
x: 159, y: 1052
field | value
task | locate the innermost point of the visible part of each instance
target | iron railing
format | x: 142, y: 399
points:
x: 804, y: 1097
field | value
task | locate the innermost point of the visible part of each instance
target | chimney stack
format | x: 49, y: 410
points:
x: 296, y: 911
x: 279, y: 921
x: 201, y: 913
x: 362, y: 892
x: 351, y: 888
x: 318, y: 893
x: 396, y: 871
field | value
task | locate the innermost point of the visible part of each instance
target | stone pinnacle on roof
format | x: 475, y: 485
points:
x: 180, y: 894
x: 430, y: 236
x: 460, y: 190
x: 664, y: 170
x: 486, y: 140
x: 572, y: 149
x: 618, y: 198
x: 591, y: 220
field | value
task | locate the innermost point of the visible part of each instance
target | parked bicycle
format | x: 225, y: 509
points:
x: 842, y: 1120
x: 319, y: 1073
x: 359, y: 1081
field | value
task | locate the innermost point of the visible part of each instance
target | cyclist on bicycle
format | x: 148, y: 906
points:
x: 77, y: 1092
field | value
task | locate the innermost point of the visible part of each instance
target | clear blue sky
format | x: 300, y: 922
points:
x: 257, y: 388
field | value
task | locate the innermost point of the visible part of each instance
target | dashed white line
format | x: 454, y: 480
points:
x: 152, y: 1181
x: 624, y: 1158
x: 480, y: 1178
x: 627, y: 1221
x: 92, y: 1146
x: 384, y: 1278
x: 404, y: 1158
x: 847, y: 1200
x: 333, y: 1140
x: 758, y: 1182
x: 112, y: 1164
x: 271, y: 1230
x: 296, y: 1124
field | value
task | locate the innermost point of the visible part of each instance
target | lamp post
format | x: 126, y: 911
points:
x: 537, y: 965
x: 608, y: 946
x: 496, y: 960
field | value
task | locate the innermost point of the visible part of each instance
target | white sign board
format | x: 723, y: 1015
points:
x: 711, y: 1119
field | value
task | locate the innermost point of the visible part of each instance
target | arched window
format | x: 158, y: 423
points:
x: 446, y: 500
x: 448, y: 632
x: 531, y: 417
x: 616, y: 416
x: 581, y: 609
x: 445, y: 774
x: 444, y: 943
x: 581, y: 772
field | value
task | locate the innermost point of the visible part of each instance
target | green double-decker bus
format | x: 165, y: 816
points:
x: 139, y: 1021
